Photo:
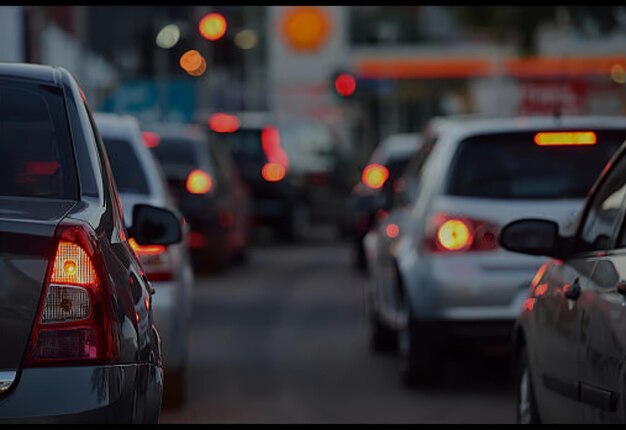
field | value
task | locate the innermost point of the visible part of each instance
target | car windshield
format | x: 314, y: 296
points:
x: 35, y: 145
x: 512, y: 166
x: 129, y: 174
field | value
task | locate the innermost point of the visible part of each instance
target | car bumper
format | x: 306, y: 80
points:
x: 89, y: 394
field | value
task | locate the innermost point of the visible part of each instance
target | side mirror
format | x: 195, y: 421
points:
x: 155, y: 226
x: 533, y: 236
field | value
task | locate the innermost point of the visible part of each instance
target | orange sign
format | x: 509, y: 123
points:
x: 306, y: 28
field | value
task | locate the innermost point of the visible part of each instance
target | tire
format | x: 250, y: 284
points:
x: 174, y: 388
x: 382, y: 338
x: 420, y: 361
x: 527, y: 412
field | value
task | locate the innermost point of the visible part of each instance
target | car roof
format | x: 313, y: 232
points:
x: 115, y: 125
x: 396, y: 146
x: 176, y: 130
x: 33, y: 72
x: 472, y: 125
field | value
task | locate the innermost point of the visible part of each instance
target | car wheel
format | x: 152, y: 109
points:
x: 174, y: 388
x: 526, y: 405
x: 419, y: 359
x: 382, y: 338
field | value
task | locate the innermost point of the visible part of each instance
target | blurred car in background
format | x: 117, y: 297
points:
x: 452, y: 282
x: 378, y: 179
x: 139, y: 180
x: 320, y: 163
x: 571, y: 331
x: 208, y: 190
x: 254, y: 141
x: 79, y: 344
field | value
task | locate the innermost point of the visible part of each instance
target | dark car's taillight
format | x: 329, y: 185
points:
x: 74, y: 324
x: 452, y: 234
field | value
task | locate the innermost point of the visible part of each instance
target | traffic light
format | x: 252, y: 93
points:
x: 344, y: 84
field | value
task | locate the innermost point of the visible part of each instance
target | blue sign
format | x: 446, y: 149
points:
x: 172, y: 100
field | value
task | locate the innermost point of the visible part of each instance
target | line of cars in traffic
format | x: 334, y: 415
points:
x: 104, y: 220
x: 455, y: 258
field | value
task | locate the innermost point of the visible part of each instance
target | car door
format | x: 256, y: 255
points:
x: 562, y: 305
x: 602, y: 347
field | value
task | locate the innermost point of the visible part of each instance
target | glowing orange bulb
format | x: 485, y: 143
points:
x: 273, y: 172
x: 199, y: 182
x: 213, y: 26
x: 69, y: 267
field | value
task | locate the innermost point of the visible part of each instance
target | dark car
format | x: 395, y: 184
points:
x: 78, y: 339
x: 571, y: 332
x: 207, y: 188
x: 378, y: 178
x: 254, y: 142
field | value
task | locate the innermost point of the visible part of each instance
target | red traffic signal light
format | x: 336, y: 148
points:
x: 345, y: 84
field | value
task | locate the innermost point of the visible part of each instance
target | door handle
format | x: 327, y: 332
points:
x: 572, y: 291
x: 621, y: 288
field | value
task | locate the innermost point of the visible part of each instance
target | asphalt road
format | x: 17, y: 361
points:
x: 283, y: 339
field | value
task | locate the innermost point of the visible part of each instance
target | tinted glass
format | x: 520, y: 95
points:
x: 127, y: 170
x: 176, y: 152
x: 244, y: 145
x: 36, y: 156
x: 512, y: 166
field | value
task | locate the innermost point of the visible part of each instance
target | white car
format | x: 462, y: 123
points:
x: 139, y: 179
x: 446, y: 281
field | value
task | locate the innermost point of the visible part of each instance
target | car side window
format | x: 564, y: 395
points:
x: 408, y: 186
x: 604, y: 212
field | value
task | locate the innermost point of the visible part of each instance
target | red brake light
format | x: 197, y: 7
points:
x: 565, y: 138
x: 150, y: 139
x: 375, y: 176
x: 273, y: 172
x: 454, y: 235
x: 270, y: 142
x: 460, y: 234
x: 199, y: 182
x: 75, y: 320
x: 392, y: 231
x: 224, y: 123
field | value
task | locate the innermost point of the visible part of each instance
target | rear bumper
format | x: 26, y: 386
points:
x: 468, y: 332
x: 91, y: 394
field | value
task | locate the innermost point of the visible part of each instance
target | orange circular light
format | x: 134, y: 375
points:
x: 306, y: 28
x: 273, y: 172
x: 375, y: 176
x: 345, y: 84
x: 199, y: 182
x: 199, y: 71
x: 191, y: 60
x: 213, y: 26
x: 454, y: 235
x: 69, y: 267
x: 392, y: 231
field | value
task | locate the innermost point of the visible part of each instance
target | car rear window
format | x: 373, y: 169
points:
x: 36, y: 156
x: 244, y: 145
x: 512, y: 166
x: 176, y: 152
x: 128, y: 172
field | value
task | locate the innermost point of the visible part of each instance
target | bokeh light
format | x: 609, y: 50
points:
x: 213, y: 26
x: 618, y: 74
x: 246, y: 39
x: 193, y: 63
x: 168, y: 37
x: 306, y: 28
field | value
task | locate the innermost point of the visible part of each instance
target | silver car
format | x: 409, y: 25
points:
x: 445, y: 280
x: 139, y: 180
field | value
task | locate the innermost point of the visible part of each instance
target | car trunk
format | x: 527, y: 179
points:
x: 27, y: 227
